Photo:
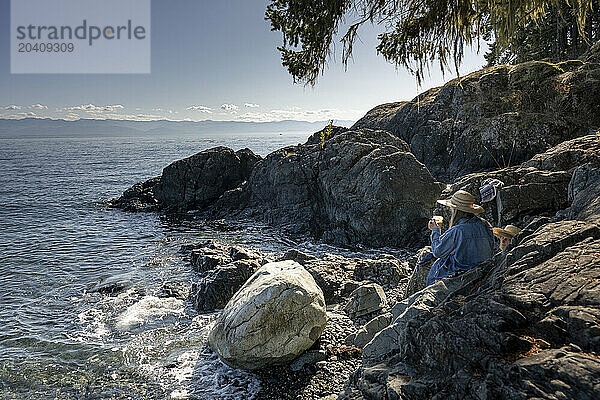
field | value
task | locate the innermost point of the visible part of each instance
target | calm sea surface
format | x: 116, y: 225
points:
x: 58, y: 339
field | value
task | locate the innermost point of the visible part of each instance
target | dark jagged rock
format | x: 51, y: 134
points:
x: 568, y: 155
x: 298, y: 256
x: 493, y: 117
x: 362, y: 186
x: 207, y: 255
x: 239, y: 253
x: 385, y: 270
x: 232, y: 201
x: 113, y: 285
x: 218, y: 286
x: 198, y: 181
x: 555, y: 288
x: 365, y: 299
x: 527, y: 192
x: 173, y: 289
x: 194, y: 182
x: 349, y: 286
x: 330, y: 272
x: 521, y: 327
x: 584, y: 192
x: 202, y: 262
x: 222, y: 269
x: 139, y: 197
x: 548, y: 240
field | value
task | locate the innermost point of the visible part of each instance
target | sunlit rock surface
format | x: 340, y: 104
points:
x: 274, y: 317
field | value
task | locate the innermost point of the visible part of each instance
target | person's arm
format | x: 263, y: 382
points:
x: 443, y: 245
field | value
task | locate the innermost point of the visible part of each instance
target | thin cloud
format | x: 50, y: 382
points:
x: 126, y: 117
x: 13, y: 107
x: 91, y: 108
x: 251, y: 105
x: 39, y: 106
x: 158, y: 109
x: 21, y: 115
x: 120, y: 117
x: 229, y: 107
x: 203, y: 109
x: 71, y: 117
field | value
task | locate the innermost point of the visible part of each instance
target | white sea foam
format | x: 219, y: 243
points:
x: 94, y: 323
x: 199, y: 374
x: 181, y: 362
x: 180, y: 394
x: 214, y: 379
x: 149, y: 307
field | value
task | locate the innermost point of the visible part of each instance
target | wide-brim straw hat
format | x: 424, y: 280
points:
x: 509, y: 231
x: 463, y: 201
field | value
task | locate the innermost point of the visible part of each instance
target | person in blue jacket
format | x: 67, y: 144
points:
x: 468, y: 242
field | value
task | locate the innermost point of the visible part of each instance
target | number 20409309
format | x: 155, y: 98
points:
x: 46, y: 47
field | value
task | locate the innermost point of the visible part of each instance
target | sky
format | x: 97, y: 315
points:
x: 214, y: 60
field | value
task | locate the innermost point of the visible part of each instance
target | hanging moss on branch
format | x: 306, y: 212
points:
x: 416, y: 32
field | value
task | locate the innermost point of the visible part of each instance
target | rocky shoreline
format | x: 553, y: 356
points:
x: 327, y: 365
x: 523, y: 325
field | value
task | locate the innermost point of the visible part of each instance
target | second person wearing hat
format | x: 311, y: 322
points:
x: 468, y: 242
x: 505, y: 235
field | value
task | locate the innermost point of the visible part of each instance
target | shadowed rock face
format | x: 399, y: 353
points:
x: 568, y: 155
x: 519, y: 327
x: 195, y: 182
x: 198, y: 181
x: 362, y: 186
x: 418, y: 278
x: 584, y: 192
x: 365, y: 299
x: 139, y: 197
x: 527, y: 192
x: 219, y: 285
x: 470, y: 124
x: 222, y: 270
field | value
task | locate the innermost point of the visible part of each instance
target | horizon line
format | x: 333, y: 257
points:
x: 170, y: 120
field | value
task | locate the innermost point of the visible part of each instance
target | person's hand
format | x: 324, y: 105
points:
x: 433, y: 224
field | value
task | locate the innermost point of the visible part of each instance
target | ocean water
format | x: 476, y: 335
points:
x: 61, y: 340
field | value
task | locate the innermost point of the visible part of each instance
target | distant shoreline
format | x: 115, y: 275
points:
x: 46, y: 127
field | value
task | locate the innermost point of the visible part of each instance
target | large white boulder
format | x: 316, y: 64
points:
x: 275, y: 316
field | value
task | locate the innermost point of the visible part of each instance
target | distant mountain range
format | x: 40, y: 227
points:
x: 85, y: 127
